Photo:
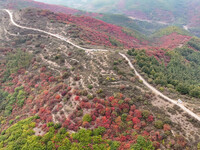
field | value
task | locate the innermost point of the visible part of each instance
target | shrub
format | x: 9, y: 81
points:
x: 21, y: 98
x: 99, y: 131
x: 135, y: 120
x: 17, y: 117
x: 150, y: 80
x: 182, y: 88
x: 57, y: 96
x: 50, y: 124
x: 198, y: 146
x: 11, y: 121
x: 150, y: 118
x: 62, y: 131
x: 114, y: 145
x: 89, y: 96
x: 166, y: 127
x: 37, y: 117
x: 90, y: 86
x: 195, y: 92
x: 57, y: 125
x: 143, y: 144
x: 145, y: 113
x: 161, y: 89
x: 32, y: 125
x: 115, y: 63
x: 115, y: 42
x: 158, y: 124
x: 85, y: 124
x: 120, y: 102
x: 99, y: 91
x: 138, y: 113
x: 124, y: 116
x: 8, y: 110
x: 170, y: 86
x: 140, y: 81
x: 87, y: 118
x: 3, y: 132
x: 66, y: 75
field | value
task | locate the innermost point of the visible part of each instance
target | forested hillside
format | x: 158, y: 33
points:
x: 139, y: 24
x: 177, y: 69
x: 145, y: 28
x: 183, y: 13
x: 172, y: 11
x: 169, y: 30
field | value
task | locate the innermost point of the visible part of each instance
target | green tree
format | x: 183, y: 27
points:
x: 17, y: 60
x: 195, y: 92
x: 183, y: 88
x: 114, y: 145
x: 198, y: 146
x: 87, y: 118
x: 99, y: 131
x: 142, y: 144
x: 158, y: 124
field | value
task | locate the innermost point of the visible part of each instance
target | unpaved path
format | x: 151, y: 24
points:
x: 123, y: 55
x: 51, y: 34
x: 158, y: 92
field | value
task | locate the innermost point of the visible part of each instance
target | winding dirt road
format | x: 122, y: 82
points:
x: 51, y: 34
x: 123, y: 55
x: 158, y: 92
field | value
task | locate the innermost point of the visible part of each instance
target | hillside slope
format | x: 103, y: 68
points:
x: 173, y: 70
x: 163, y: 11
x: 90, y: 31
x: 143, y: 26
x: 184, y: 13
x: 67, y: 89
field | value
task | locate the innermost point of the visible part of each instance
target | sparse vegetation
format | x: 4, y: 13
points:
x: 78, y: 101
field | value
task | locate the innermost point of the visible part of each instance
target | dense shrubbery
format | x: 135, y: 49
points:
x: 87, y: 118
x: 142, y: 143
x: 169, y: 30
x: 13, y: 93
x: 137, y: 27
x: 179, y: 72
x: 95, y: 32
x: 3, y: 96
x: 21, y: 136
x: 8, y: 100
x: 158, y: 124
x: 194, y: 43
x: 15, y: 61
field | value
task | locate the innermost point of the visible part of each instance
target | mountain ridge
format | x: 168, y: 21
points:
x: 170, y: 11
